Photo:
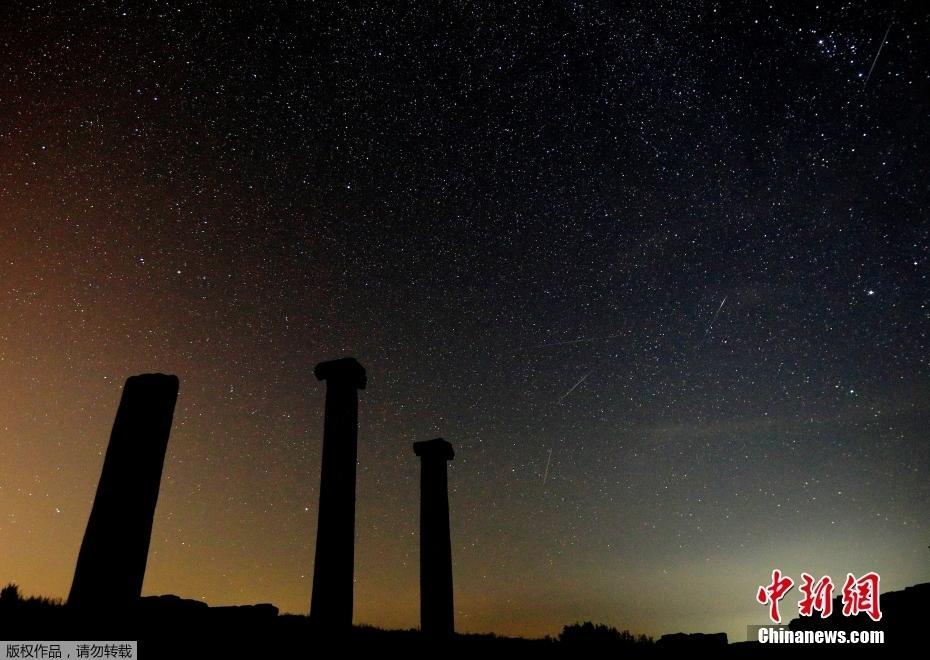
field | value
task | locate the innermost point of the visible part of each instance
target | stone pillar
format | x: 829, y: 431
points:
x: 331, y: 602
x: 111, y: 564
x: 437, y: 618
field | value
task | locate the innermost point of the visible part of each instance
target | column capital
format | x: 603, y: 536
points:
x: 344, y: 369
x: 436, y: 448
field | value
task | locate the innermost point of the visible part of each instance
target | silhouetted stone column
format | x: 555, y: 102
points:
x: 111, y: 564
x: 436, y: 609
x: 331, y: 602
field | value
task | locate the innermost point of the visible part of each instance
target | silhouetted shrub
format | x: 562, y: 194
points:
x: 588, y: 632
x: 9, y: 595
x: 12, y: 599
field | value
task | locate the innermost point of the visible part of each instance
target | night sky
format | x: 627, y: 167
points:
x: 657, y: 272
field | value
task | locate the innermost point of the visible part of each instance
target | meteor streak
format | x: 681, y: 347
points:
x: 872, y: 68
x: 711, y: 324
x: 546, y: 474
x: 573, y: 387
x: 580, y: 340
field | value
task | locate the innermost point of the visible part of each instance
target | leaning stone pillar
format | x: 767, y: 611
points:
x: 331, y: 601
x: 111, y: 564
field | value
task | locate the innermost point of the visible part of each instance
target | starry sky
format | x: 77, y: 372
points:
x: 657, y: 270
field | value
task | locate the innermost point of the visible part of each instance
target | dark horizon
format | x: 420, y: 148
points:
x: 159, y: 623
x: 658, y: 273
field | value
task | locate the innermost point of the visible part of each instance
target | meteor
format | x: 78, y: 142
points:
x: 567, y: 342
x: 546, y: 474
x: 872, y: 68
x: 711, y: 324
x: 573, y: 387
